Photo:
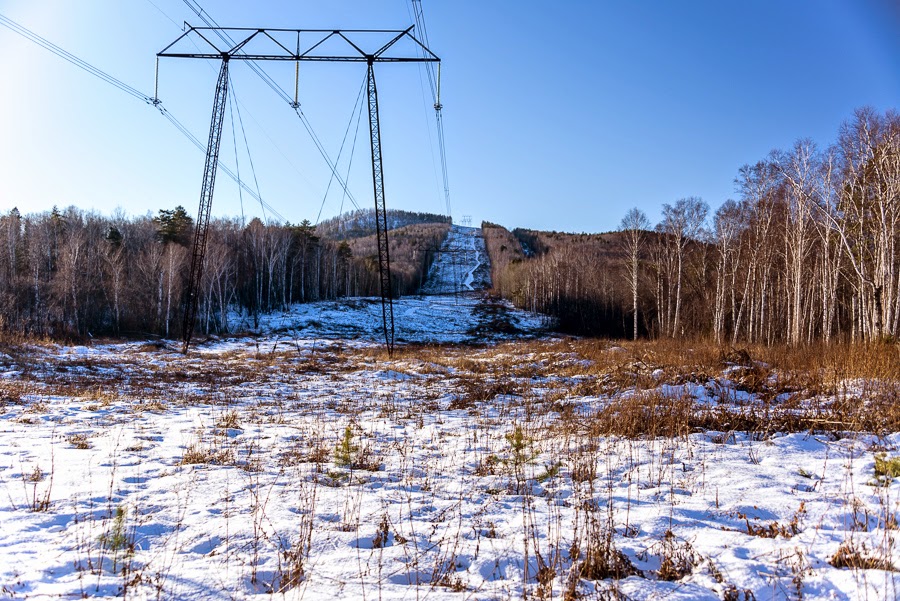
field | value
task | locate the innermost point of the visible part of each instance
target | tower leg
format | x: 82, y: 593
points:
x: 381, y: 227
x: 201, y: 227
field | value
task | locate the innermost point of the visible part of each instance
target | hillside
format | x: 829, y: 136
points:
x: 461, y: 264
x: 411, y: 249
x: 361, y: 223
x: 583, y: 279
x: 573, y: 277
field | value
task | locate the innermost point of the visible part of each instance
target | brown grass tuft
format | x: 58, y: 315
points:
x: 857, y: 557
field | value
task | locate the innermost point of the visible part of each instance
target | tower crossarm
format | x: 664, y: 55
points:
x: 322, y: 45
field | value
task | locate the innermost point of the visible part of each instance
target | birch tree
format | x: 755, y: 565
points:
x: 727, y: 224
x: 799, y: 168
x: 634, y: 228
x: 682, y: 223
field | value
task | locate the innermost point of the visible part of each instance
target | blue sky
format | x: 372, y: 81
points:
x: 557, y: 115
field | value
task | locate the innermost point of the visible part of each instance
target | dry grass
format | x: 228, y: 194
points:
x: 648, y: 414
x: 79, y: 441
x: 858, y: 557
x: 836, y: 388
x: 601, y: 559
x: 826, y: 365
x: 539, y: 411
x: 677, y: 558
x: 800, y: 389
x: 229, y: 419
x: 797, y: 390
x: 197, y: 454
x: 776, y: 529
x: 16, y: 392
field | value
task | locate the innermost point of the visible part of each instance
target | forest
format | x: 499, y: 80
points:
x: 808, y: 251
x: 72, y: 274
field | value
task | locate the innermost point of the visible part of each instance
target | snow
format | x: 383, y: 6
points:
x: 417, y: 319
x: 461, y: 264
x: 224, y: 466
x: 199, y: 530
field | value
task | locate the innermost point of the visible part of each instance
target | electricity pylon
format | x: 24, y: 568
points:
x: 217, y: 43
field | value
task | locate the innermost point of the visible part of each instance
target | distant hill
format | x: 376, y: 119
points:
x: 361, y: 223
x: 411, y: 250
x: 577, y: 278
x: 536, y: 242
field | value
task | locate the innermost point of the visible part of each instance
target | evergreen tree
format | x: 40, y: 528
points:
x: 174, y: 226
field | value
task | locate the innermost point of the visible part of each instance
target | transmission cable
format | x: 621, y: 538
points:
x: 419, y: 17
x: 435, y: 84
x: 431, y: 143
x: 122, y: 86
x: 237, y: 104
x: 163, y: 13
x: 259, y: 71
x: 68, y: 56
x: 202, y: 147
x: 237, y: 162
x: 352, y: 153
x: 356, y: 105
x: 258, y: 195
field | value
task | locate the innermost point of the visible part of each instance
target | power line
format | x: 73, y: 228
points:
x: 71, y: 58
x: 238, y: 104
x: 435, y: 83
x: 267, y: 79
x: 352, y: 150
x: 122, y: 86
x: 202, y: 147
x: 419, y: 17
x: 353, y: 53
x: 247, y: 145
x: 357, y: 105
x: 163, y: 13
x: 237, y: 162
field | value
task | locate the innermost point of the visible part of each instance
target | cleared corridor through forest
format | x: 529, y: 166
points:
x: 462, y: 264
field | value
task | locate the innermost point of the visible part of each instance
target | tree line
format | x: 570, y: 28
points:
x: 361, y: 222
x: 568, y: 276
x: 72, y: 274
x: 808, y: 251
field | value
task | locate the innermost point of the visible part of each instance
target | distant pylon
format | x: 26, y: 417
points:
x: 467, y: 220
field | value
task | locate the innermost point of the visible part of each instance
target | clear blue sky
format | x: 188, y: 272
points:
x: 557, y: 115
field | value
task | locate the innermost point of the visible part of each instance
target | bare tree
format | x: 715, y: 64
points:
x: 799, y: 168
x: 868, y: 227
x: 11, y: 227
x: 114, y: 272
x: 634, y: 226
x: 756, y: 184
x: 830, y: 253
x: 682, y: 223
x: 727, y: 224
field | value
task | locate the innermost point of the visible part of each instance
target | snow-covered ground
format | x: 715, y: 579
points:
x: 451, y: 308
x: 417, y: 319
x: 461, y: 265
x: 322, y: 470
x: 298, y: 461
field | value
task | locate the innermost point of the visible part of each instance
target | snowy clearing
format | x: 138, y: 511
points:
x: 418, y: 319
x: 320, y: 469
x: 461, y: 264
x: 299, y: 461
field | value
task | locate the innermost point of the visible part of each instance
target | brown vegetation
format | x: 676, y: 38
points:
x: 72, y: 274
x: 574, y: 277
x: 809, y: 252
x: 412, y: 250
x: 617, y: 432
